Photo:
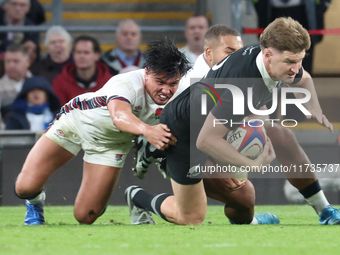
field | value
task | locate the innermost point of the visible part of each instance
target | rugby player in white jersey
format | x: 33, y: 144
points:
x: 103, y: 124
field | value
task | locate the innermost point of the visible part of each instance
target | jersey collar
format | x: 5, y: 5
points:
x: 268, y: 81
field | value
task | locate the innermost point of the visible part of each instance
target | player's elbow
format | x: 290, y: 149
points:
x: 202, y: 143
x: 118, y: 121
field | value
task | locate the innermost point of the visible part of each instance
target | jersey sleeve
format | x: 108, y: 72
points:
x: 119, y: 90
x: 224, y: 111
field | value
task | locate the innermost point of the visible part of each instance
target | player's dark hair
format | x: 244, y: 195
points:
x: 162, y: 56
x: 95, y: 43
x: 219, y: 30
x: 285, y: 34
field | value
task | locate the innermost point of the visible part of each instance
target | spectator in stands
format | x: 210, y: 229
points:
x: 35, y: 106
x: 86, y: 74
x: 16, y: 70
x: 195, y: 29
x: 36, y: 13
x: 127, y: 52
x: 33, y: 51
x: 15, y: 15
x: 58, y: 43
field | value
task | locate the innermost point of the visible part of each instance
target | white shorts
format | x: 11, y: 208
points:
x: 97, y: 151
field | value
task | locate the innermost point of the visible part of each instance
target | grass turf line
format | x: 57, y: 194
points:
x: 298, y: 233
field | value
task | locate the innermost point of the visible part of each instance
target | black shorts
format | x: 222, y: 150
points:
x: 179, y: 166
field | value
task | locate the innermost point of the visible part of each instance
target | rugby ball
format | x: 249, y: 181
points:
x: 248, y: 139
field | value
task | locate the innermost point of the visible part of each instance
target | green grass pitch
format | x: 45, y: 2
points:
x: 298, y: 233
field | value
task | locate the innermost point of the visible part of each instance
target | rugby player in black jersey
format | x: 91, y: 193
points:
x: 265, y: 67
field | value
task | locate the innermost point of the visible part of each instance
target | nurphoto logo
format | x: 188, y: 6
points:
x: 239, y: 102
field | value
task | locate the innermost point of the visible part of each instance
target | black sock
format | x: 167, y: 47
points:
x: 311, y: 189
x: 150, y: 202
x: 28, y: 198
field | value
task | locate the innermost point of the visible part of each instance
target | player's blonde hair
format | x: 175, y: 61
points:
x: 285, y: 34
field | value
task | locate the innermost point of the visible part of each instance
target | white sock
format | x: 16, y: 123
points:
x: 38, y: 199
x: 254, y: 221
x: 134, y: 192
x: 318, y: 201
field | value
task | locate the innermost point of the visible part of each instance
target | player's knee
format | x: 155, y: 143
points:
x: 23, y: 190
x: 244, y: 209
x: 20, y: 190
x: 242, y: 214
x: 85, y: 216
x: 85, y: 219
x: 287, y: 137
x: 196, y: 218
x: 247, y: 205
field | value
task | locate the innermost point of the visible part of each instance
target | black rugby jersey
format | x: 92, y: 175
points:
x: 241, y: 70
x: 238, y: 69
x: 184, y: 113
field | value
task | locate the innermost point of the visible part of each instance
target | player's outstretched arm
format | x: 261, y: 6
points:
x: 123, y: 118
x: 313, y: 105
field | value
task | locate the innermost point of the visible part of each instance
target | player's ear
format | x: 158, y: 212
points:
x: 146, y: 73
x: 208, y: 53
x: 267, y: 54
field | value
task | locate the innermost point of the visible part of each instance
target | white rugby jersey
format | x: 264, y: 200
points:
x: 195, y: 74
x: 89, y: 114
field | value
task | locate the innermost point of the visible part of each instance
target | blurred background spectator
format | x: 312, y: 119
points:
x: 33, y: 51
x: 86, y: 74
x: 36, y: 13
x: 16, y: 70
x: 35, y: 106
x: 58, y: 44
x: 14, y: 14
x: 127, y: 52
x: 2, y: 67
x: 195, y: 29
